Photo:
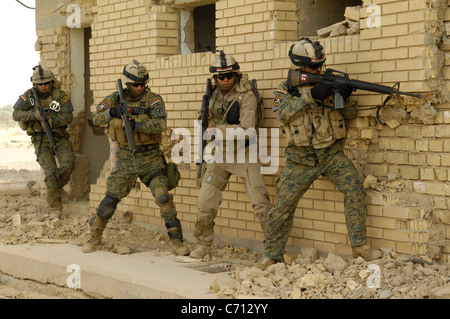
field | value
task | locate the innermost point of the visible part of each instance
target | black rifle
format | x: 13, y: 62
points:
x: 127, y: 123
x: 205, y: 123
x: 45, y: 123
x: 298, y: 78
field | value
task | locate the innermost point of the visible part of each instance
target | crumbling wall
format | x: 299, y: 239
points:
x: 405, y: 161
x: 53, y: 31
x: 405, y: 164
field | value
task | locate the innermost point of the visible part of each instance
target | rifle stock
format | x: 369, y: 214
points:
x: 298, y: 78
x: 127, y: 124
x: 45, y: 123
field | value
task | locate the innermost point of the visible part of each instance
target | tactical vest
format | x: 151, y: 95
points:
x: 318, y: 127
x: 117, y: 133
x: 52, y: 106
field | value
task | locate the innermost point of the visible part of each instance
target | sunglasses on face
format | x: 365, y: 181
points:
x: 135, y: 85
x: 46, y: 83
x: 228, y: 76
x: 315, y: 66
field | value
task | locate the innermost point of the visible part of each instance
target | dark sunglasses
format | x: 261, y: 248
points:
x: 135, y: 85
x: 46, y: 83
x: 228, y: 76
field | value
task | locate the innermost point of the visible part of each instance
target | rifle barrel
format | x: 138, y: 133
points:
x: 373, y: 87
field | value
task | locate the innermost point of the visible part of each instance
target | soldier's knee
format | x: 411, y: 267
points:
x: 107, y: 207
x: 162, y: 195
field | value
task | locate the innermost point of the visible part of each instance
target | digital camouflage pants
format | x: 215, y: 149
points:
x: 151, y: 166
x: 294, y: 181
x: 56, y: 175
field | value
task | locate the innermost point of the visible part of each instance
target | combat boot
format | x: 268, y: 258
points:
x: 366, y: 252
x: 266, y: 262
x: 203, y: 252
x: 97, y: 225
x: 175, y: 233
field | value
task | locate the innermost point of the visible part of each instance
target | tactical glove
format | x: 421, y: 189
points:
x: 345, y: 91
x: 115, y: 112
x: 321, y: 91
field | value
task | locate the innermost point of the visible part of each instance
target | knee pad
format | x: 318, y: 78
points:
x: 163, y: 199
x: 107, y: 207
x: 162, y: 195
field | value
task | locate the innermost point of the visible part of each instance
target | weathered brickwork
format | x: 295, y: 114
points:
x: 407, y: 159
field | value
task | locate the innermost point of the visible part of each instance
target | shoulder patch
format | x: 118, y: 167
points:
x: 155, y: 102
x: 281, y: 91
x: 277, y: 101
x: 101, y: 107
x: 65, y: 99
x: 159, y: 111
x: 23, y: 98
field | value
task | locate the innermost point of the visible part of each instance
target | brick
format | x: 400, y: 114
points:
x: 400, y: 212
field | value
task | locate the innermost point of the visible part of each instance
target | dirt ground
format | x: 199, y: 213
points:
x: 24, y: 218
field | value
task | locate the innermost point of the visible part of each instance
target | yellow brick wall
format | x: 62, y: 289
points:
x: 258, y: 33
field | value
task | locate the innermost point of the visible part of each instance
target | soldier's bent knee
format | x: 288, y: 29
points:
x: 107, y: 207
x: 163, y: 199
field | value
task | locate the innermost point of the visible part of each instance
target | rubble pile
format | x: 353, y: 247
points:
x: 349, y: 26
x: 333, y: 277
x: 304, y: 276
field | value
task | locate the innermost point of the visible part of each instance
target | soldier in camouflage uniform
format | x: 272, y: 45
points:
x: 148, y: 118
x: 58, y: 109
x: 233, y: 105
x: 314, y: 130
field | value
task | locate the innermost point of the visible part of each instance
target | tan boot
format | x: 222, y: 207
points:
x: 366, y: 252
x: 98, y: 225
x: 203, y: 252
x: 266, y: 262
x: 180, y: 248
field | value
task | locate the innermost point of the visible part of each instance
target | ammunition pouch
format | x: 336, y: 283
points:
x: 173, y: 175
x: 221, y: 181
x: 116, y: 132
x: 23, y: 125
x: 233, y: 113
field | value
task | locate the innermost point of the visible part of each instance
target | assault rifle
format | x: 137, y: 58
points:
x: 331, y: 78
x: 205, y: 123
x: 127, y: 123
x: 45, y: 123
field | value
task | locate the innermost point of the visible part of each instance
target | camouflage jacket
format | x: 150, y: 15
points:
x: 314, y: 132
x: 147, y: 112
x: 56, y: 104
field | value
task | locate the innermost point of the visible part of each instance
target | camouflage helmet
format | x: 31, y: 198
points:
x: 135, y: 72
x: 224, y: 63
x: 307, y: 53
x: 41, y: 75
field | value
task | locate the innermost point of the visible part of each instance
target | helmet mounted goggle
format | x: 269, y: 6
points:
x: 314, y: 63
x: 224, y: 67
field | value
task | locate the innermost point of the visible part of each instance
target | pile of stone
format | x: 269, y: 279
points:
x: 309, y: 277
x: 349, y: 26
